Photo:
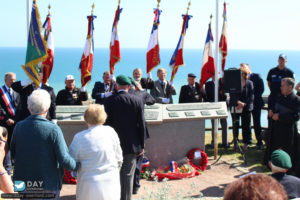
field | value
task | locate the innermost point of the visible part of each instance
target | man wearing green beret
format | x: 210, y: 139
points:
x: 125, y: 113
x: 280, y: 163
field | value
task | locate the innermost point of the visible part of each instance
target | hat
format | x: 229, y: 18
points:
x: 281, y: 159
x: 192, y: 75
x: 123, y: 80
x: 282, y: 55
x: 132, y: 81
x: 69, y: 77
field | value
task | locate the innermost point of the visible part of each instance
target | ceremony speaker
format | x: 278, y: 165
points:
x: 233, y: 81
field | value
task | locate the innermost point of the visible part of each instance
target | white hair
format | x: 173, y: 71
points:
x: 38, y: 102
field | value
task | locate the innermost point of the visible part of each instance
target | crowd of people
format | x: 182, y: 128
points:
x: 107, y: 157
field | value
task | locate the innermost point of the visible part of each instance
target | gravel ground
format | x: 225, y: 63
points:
x: 210, y: 184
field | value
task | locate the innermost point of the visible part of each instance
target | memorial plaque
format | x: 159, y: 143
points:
x: 199, y: 106
x: 76, y: 117
x: 71, y: 109
x: 205, y: 113
x: 221, y: 112
x: 151, y: 115
x: 189, y: 114
x: 152, y: 107
x: 173, y: 114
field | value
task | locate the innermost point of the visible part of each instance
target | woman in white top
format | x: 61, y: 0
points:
x: 99, y: 152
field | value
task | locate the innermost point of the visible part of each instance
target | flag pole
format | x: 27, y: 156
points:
x: 28, y: 16
x: 216, y: 80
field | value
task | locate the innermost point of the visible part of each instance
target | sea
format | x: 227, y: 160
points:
x: 66, y: 61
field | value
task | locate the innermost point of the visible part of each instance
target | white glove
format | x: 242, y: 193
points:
x: 54, y: 121
x: 83, y: 89
x: 165, y: 100
x: 106, y: 94
x: 171, y: 83
x: 113, y: 78
x: 149, y: 75
x: 26, y: 82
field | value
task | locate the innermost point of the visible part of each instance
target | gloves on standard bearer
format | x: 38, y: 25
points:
x: 106, y: 94
x: 165, y: 100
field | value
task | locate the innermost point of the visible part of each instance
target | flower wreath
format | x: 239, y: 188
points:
x: 203, y: 162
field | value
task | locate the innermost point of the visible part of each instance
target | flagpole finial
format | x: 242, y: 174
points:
x: 49, y: 7
x: 158, y: 2
x: 93, y: 7
x: 119, y: 2
x: 211, y: 16
x: 187, y: 9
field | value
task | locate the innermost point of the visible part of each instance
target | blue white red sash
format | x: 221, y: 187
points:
x: 7, y: 100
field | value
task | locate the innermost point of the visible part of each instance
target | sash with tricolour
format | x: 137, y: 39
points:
x: 8, y: 100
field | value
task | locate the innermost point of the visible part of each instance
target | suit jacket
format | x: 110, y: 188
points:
x: 210, y: 91
x: 188, y: 95
x: 158, y: 92
x: 97, y: 90
x: 144, y: 83
x: 147, y: 98
x: 5, y: 112
x: 258, y: 85
x: 247, y: 96
x: 125, y: 114
x: 22, y: 111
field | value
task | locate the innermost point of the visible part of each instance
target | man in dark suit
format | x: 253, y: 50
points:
x: 191, y: 92
x: 137, y: 75
x: 162, y: 91
x: 25, y: 88
x: 258, y: 103
x: 102, y: 90
x: 126, y: 115
x: 210, y: 97
x: 8, y: 102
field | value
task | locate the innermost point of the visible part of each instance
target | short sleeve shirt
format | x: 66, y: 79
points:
x: 275, y: 76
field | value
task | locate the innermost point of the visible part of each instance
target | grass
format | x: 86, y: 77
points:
x: 254, y: 157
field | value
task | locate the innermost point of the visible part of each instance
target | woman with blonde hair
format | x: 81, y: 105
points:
x: 243, y: 108
x: 99, y: 152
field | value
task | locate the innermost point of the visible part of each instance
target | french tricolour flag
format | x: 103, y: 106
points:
x: 177, y: 58
x: 153, y: 58
x: 86, y: 63
x: 115, y: 54
x: 208, y: 63
x: 48, y: 36
x: 223, y: 40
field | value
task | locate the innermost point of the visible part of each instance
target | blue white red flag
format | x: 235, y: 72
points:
x: 208, y: 63
x: 115, y: 53
x: 86, y: 63
x: 223, y: 40
x: 153, y: 58
x: 177, y: 58
x: 48, y: 36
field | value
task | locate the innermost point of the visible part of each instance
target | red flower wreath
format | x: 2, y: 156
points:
x: 203, y: 162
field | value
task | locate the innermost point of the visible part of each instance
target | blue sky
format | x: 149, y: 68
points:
x: 255, y: 24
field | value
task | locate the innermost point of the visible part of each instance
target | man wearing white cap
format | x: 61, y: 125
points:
x: 71, y: 95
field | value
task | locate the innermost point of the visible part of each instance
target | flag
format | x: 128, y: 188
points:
x: 115, y: 54
x: 36, y: 47
x: 48, y: 63
x: 208, y: 63
x: 153, y: 58
x: 86, y: 63
x: 177, y: 58
x: 223, y: 40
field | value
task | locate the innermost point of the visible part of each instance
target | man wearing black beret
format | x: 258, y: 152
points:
x: 191, y: 92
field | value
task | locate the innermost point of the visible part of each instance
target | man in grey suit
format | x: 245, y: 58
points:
x: 163, y: 90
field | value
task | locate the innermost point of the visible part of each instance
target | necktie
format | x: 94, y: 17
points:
x: 10, y: 94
